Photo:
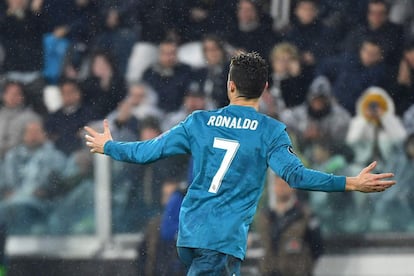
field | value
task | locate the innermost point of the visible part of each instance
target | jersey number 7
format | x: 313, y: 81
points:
x: 231, y: 147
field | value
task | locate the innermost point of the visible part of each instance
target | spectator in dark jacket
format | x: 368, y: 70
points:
x: 116, y: 39
x: 403, y: 93
x: 213, y: 77
x: 21, y: 30
x: 289, y: 79
x: 158, y: 254
x: 168, y: 77
x: 309, y: 34
x: 351, y: 74
x: 76, y: 19
x: 290, y: 235
x: 160, y: 19
x: 206, y: 16
x: 378, y: 26
x: 104, y: 88
x: 249, y: 30
x: 64, y: 126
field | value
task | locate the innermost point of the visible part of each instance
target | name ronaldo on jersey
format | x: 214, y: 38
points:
x: 232, y: 122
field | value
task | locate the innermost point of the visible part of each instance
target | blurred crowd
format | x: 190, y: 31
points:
x: 341, y: 79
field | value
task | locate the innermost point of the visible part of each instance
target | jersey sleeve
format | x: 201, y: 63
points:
x: 284, y: 162
x: 172, y: 142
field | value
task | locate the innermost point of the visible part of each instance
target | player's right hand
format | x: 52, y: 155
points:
x: 95, y: 140
x: 368, y: 182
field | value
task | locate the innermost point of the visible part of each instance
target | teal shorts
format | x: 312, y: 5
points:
x: 208, y: 262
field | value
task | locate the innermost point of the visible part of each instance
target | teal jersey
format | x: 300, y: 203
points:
x: 231, y: 148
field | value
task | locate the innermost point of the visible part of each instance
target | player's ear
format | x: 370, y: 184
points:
x: 232, y: 86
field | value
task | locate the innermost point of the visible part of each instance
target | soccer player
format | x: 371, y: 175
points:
x: 232, y: 148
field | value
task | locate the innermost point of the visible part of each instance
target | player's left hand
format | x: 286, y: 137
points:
x: 95, y: 140
x: 368, y: 182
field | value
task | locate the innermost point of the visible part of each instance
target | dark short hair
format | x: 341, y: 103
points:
x: 152, y: 123
x: 73, y: 82
x: 249, y: 72
x: 13, y: 83
x: 373, y: 41
x: 169, y: 41
x: 110, y: 59
x: 382, y: 2
x: 314, y: 2
x: 217, y: 40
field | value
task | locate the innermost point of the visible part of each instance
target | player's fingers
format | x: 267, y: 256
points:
x: 384, y: 175
x: 106, y: 126
x: 385, y: 182
x: 369, y: 168
x: 92, y: 150
x: 89, y: 138
x: 89, y: 144
x: 91, y: 131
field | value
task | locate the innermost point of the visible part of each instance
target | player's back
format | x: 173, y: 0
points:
x: 230, y: 150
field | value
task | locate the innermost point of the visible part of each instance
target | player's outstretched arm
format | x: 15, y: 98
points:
x: 173, y: 142
x: 368, y: 182
x: 95, y: 140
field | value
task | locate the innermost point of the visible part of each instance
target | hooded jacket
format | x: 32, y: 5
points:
x: 363, y: 135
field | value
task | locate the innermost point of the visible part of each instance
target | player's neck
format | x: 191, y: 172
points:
x: 245, y: 102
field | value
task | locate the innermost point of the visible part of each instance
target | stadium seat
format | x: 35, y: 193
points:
x: 192, y: 54
x: 52, y: 98
x: 143, y: 55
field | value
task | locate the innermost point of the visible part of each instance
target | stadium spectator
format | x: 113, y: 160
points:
x: 55, y: 49
x: 375, y: 131
x: 168, y: 77
x: 143, y: 101
x: 342, y: 15
x: 336, y: 210
x: 78, y: 20
x: 143, y: 199
x: 289, y: 79
x: 160, y: 19
x: 378, y: 26
x: 314, y: 40
x: 75, y: 212
x: 250, y: 29
x: 352, y: 74
x: 213, y: 77
x: 194, y: 99
x: 29, y: 168
x: 125, y: 177
x: 21, y: 30
x: 116, y: 39
x: 104, y: 88
x: 207, y: 16
x: 123, y: 122
x: 409, y: 119
x: 402, y: 12
x: 13, y: 116
x: 126, y: 9
x: 320, y: 117
x: 290, y: 235
x: 403, y: 93
x: 63, y: 126
x: 397, y: 205
x: 158, y: 254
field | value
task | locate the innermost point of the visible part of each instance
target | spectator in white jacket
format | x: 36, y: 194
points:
x: 376, y: 130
